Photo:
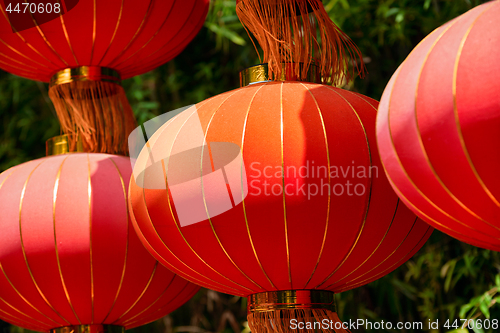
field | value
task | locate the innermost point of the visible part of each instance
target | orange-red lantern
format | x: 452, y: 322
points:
x: 70, y: 261
x: 131, y: 37
x: 438, y: 128
x: 87, y: 48
x: 311, y: 212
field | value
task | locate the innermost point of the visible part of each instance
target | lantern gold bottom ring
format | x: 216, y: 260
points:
x: 291, y: 299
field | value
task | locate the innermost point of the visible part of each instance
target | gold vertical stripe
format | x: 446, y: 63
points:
x: 203, y: 193
x: 92, y: 295
x: 114, y: 33
x: 94, y: 31
x: 56, y: 188
x: 165, y: 172
x: 141, y: 295
x: 22, y: 243
x: 126, y: 242
x: 242, y: 192
x: 455, y: 110
x: 45, y: 38
x: 369, y: 192
x: 327, y: 150
x: 66, y: 35
x: 284, y: 195
x: 137, y: 32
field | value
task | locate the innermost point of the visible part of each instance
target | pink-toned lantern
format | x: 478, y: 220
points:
x: 438, y: 128
x: 69, y: 257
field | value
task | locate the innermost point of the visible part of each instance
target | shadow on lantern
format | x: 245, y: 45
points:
x: 24, y: 15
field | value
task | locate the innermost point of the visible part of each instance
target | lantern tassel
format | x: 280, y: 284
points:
x: 295, y: 320
x: 300, y: 31
x: 96, y: 111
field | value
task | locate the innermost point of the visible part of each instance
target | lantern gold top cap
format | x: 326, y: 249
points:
x: 61, y: 144
x: 291, y: 299
x: 261, y: 73
x: 89, y: 329
x: 85, y: 73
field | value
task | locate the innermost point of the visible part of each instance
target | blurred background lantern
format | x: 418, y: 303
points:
x: 438, y: 128
x: 85, y: 51
x: 310, y: 211
x: 70, y: 260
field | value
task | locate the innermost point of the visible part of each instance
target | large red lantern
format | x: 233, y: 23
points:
x: 87, y: 48
x: 70, y: 260
x: 316, y: 215
x: 438, y: 128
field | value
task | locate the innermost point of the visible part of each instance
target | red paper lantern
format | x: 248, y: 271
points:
x: 131, y: 37
x: 86, y: 49
x: 438, y: 128
x: 289, y: 233
x: 69, y: 258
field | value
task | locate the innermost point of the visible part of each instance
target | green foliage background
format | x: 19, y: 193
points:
x: 445, y: 280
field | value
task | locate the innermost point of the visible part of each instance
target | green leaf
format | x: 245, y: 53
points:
x: 392, y: 11
x: 223, y: 31
x: 400, y: 17
x: 148, y: 105
x: 464, y: 309
x: 449, y: 275
x: 484, y: 307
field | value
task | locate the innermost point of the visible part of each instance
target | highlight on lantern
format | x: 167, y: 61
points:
x: 204, y: 178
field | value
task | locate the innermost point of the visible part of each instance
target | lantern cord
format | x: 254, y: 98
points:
x: 97, y: 112
x: 296, y: 320
x: 300, y: 31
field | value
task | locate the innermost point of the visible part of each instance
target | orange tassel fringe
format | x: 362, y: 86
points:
x: 96, y: 111
x: 300, y: 31
x: 295, y: 320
